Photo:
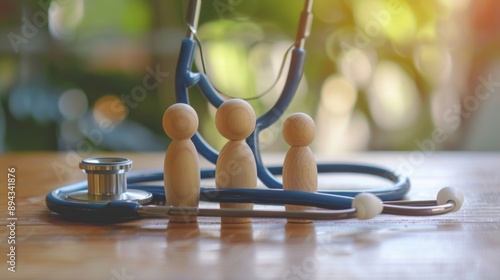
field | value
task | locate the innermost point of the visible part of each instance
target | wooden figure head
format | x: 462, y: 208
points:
x: 235, y: 119
x: 299, y: 130
x: 180, y: 121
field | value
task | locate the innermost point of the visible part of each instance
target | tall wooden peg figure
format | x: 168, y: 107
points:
x: 235, y: 167
x: 300, y: 171
x: 181, y: 167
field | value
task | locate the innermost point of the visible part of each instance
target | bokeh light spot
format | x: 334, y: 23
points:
x: 73, y: 104
x: 328, y: 11
x: 109, y: 110
x: 338, y: 95
x: 65, y: 17
x: 393, y: 97
x: 455, y: 4
x: 432, y: 61
x: 357, y: 65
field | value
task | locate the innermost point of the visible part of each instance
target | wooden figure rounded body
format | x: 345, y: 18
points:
x: 182, y: 177
x: 235, y: 167
x: 181, y: 166
x: 300, y: 171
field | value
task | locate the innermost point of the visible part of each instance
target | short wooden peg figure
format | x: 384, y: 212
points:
x: 300, y: 171
x: 181, y: 167
x: 235, y: 167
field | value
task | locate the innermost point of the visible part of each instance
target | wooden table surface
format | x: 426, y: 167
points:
x: 461, y: 245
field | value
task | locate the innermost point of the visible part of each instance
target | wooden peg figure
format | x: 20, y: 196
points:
x: 300, y: 171
x: 181, y: 167
x: 235, y: 166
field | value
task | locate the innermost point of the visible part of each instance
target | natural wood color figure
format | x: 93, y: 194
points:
x: 235, y: 167
x: 181, y: 167
x: 300, y: 171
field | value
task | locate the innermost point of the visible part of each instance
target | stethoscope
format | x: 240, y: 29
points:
x: 108, y: 194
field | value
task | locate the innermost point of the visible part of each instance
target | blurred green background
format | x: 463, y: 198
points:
x: 95, y: 75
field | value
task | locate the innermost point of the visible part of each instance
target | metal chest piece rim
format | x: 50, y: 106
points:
x: 106, y: 181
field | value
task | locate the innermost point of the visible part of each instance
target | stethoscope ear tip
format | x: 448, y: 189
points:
x: 367, y: 206
x: 450, y: 194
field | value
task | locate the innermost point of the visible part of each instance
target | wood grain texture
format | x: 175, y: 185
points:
x: 235, y: 119
x: 182, y: 180
x: 461, y: 245
x: 300, y: 172
x: 299, y: 130
x: 181, y: 166
x: 235, y: 166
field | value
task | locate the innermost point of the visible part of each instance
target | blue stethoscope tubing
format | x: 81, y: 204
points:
x: 57, y: 200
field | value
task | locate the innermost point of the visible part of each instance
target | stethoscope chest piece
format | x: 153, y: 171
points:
x: 107, y: 182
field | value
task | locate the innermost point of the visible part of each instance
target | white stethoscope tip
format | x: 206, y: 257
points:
x: 448, y: 194
x: 367, y: 206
